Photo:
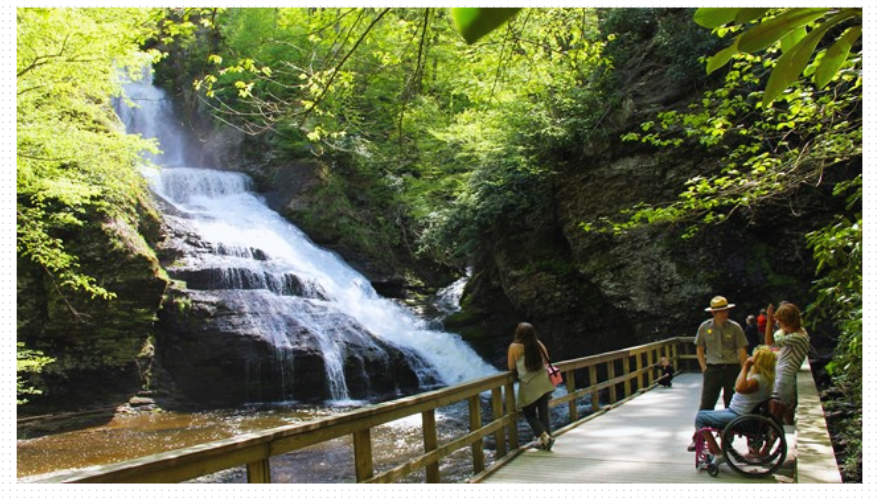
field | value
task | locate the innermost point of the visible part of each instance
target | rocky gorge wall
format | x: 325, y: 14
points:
x: 103, y: 349
x: 589, y: 292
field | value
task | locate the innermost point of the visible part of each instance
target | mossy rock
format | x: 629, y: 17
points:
x: 464, y: 318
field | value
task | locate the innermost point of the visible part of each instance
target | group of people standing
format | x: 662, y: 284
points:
x: 748, y: 376
x: 733, y: 362
x: 754, y: 330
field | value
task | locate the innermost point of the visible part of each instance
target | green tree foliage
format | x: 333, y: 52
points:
x: 75, y: 165
x: 837, y: 249
x: 398, y: 96
x: 646, y: 38
x: 798, y: 31
x: 765, y: 153
x: 28, y: 361
x: 72, y: 158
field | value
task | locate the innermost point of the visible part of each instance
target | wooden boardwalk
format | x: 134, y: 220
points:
x: 641, y: 441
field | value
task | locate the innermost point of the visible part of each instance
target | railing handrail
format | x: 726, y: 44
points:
x: 584, y: 361
x: 378, y: 414
x: 254, y: 449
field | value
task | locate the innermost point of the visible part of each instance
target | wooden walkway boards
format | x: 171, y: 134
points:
x: 641, y: 441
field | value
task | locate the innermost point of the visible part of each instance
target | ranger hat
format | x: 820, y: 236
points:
x: 719, y: 303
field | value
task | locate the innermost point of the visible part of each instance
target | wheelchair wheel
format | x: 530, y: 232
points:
x: 712, y: 470
x: 754, y: 445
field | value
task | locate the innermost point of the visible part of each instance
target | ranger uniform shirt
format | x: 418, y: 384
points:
x: 721, y: 343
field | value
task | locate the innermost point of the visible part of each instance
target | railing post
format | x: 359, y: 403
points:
x: 639, y: 370
x: 362, y: 454
x: 259, y: 472
x: 650, y: 365
x: 613, y: 392
x: 626, y: 371
x: 595, y: 398
x: 474, y: 425
x: 496, y: 408
x: 571, y: 388
x: 512, y: 412
x: 674, y: 348
x: 430, y: 443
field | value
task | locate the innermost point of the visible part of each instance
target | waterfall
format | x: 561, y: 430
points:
x: 448, y: 299
x: 252, y: 257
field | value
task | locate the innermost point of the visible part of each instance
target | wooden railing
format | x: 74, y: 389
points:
x: 604, y: 379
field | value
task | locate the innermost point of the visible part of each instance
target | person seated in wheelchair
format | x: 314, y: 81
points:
x: 754, y: 386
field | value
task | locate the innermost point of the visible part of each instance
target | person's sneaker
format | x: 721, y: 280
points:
x: 544, y: 441
x: 550, y: 443
x: 692, y: 446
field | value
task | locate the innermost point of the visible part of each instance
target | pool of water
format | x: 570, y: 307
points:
x: 129, y: 436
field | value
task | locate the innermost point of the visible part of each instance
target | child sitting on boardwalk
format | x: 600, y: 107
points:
x: 667, y: 372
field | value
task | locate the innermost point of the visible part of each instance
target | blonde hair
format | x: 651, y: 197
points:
x: 765, y: 361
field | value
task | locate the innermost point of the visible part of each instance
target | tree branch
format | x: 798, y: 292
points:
x: 77, y: 315
x: 337, y: 68
x: 41, y: 60
x: 417, y: 78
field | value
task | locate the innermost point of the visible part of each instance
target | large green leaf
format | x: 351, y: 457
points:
x: 792, y: 39
x: 770, y: 31
x: 792, y: 63
x: 474, y: 23
x: 721, y: 58
x: 746, y: 15
x: 714, y: 17
x: 836, y: 56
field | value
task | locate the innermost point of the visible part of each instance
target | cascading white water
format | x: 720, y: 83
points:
x: 448, y: 299
x: 262, y: 254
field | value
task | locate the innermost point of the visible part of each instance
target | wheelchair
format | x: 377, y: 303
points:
x: 753, y: 445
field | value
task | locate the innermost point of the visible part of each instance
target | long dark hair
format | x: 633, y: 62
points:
x: 526, y: 334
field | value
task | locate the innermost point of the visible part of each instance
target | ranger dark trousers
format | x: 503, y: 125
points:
x: 716, y: 378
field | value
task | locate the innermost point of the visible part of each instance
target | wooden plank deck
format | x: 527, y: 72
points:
x: 641, y: 441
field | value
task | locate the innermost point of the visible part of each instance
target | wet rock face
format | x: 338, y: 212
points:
x: 589, y: 292
x: 95, y: 342
x: 216, y: 357
x: 233, y: 335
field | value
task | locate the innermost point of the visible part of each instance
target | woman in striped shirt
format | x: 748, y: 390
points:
x: 794, y: 344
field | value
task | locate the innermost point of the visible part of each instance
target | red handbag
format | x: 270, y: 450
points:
x: 554, y: 374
